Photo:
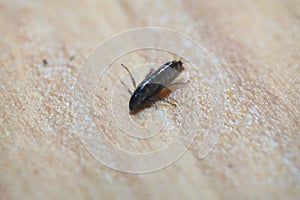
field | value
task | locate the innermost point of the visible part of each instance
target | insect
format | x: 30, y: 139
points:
x: 45, y: 62
x: 153, y: 84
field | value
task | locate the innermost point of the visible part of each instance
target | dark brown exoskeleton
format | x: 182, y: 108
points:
x: 153, y: 84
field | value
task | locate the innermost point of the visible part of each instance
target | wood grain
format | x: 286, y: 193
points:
x: 256, y: 44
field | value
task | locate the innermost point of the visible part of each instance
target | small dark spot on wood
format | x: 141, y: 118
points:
x: 72, y: 57
x: 230, y: 165
x: 36, y: 171
x: 45, y: 62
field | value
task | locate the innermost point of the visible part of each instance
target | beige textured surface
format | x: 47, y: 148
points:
x: 257, y: 46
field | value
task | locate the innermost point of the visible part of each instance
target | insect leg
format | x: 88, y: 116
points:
x: 161, y: 99
x: 130, y: 92
x: 149, y: 73
x: 131, y: 76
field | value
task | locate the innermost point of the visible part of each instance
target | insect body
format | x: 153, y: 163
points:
x: 153, y: 84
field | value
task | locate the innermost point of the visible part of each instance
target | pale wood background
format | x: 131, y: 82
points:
x: 257, y: 44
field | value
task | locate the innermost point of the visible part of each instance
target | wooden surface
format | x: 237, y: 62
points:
x: 256, y: 44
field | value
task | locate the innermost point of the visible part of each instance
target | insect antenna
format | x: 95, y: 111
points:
x: 184, y: 60
x: 131, y: 76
